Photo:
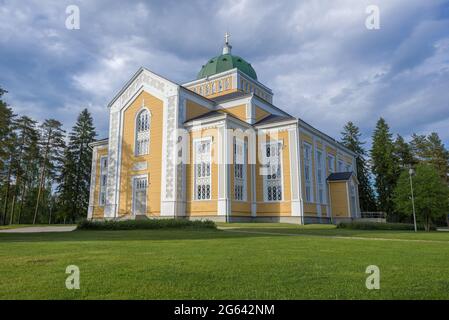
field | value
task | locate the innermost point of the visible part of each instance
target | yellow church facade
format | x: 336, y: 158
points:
x: 217, y: 148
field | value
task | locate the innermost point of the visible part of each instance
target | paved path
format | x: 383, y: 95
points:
x: 39, y: 229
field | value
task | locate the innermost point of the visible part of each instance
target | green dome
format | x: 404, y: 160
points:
x: 226, y: 62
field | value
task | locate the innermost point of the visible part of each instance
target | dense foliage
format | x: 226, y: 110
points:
x: 43, y: 179
x: 355, y: 225
x: 431, y: 195
x: 145, y: 224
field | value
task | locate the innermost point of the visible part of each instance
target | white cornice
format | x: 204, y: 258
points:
x: 99, y: 143
x: 325, y: 137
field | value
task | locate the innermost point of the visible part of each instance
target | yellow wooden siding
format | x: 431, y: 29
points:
x: 202, y: 207
x: 339, y: 199
x: 194, y: 110
x: 237, y: 111
x: 153, y: 159
x: 260, y: 113
x: 222, y: 93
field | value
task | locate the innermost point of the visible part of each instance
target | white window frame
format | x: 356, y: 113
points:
x: 207, y: 179
x: 279, y: 181
x: 240, y: 163
x: 103, y: 178
x: 308, y: 172
x: 340, y: 164
x: 133, y: 184
x: 330, y: 163
x: 320, y: 173
x: 141, y: 135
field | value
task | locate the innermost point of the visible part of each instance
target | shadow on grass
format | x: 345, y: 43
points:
x: 125, y: 235
x: 233, y: 231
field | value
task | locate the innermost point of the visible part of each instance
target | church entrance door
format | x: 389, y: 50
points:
x: 140, y: 185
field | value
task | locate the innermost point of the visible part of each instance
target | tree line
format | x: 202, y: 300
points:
x: 385, y: 180
x: 44, y: 172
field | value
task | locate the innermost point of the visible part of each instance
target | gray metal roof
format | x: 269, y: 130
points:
x: 272, y: 118
x: 339, y: 176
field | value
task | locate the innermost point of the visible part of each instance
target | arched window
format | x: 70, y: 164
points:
x: 143, y: 122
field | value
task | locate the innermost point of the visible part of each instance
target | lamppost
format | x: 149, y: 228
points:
x: 411, y: 172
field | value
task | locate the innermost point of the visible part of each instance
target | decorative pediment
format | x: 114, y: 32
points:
x: 155, y: 84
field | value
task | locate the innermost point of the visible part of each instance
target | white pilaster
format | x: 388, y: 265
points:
x: 225, y: 145
x: 93, y: 175
x: 295, y: 173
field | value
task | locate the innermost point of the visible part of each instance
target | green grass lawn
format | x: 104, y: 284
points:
x: 260, y: 261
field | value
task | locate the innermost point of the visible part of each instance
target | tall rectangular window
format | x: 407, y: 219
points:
x: 308, y: 171
x: 103, y: 180
x: 331, y: 163
x: 203, y: 169
x: 239, y: 170
x: 320, y: 176
x: 273, y: 171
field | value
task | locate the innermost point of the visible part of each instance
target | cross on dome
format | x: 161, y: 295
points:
x: 227, y: 47
x: 227, y: 36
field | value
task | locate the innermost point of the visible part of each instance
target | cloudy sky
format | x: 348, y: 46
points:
x: 322, y: 63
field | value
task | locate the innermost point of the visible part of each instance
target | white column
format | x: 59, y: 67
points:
x: 115, y: 125
x: 225, y: 145
x: 295, y: 174
x: 170, y: 170
x: 93, y: 174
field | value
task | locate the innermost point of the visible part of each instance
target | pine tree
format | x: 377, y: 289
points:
x: 27, y: 161
x: 384, y: 166
x: 75, y: 177
x: 52, y: 145
x: 7, y: 147
x: 439, y: 156
x: 430, y: 150
x: 351, y: 140
x: 403, y: 152
x: 6, y: 118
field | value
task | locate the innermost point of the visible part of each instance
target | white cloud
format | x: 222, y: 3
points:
x: 321, y: 62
